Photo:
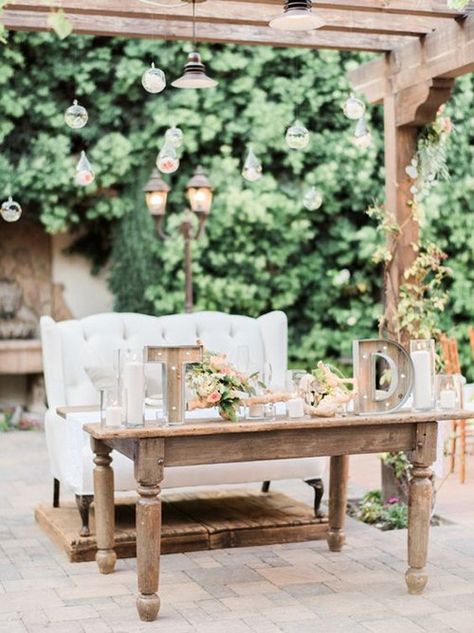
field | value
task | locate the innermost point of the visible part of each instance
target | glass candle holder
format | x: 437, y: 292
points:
x: 270, y: 411
x: 111, y: 409
x: 422, y: 353
x: 255, y: 412
x: 133, y: 387
x: 448, y: 391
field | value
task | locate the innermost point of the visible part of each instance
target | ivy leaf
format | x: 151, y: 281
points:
x: 60, y: 24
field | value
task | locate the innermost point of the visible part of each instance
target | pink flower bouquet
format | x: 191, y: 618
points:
x: 216, y: 383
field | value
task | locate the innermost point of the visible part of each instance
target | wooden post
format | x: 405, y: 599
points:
x: 405, y: 113
x: 104, y: 507
x: 339, y: 473
x: 149, y: 474
x: 400, y: 147
x: 419, y: 506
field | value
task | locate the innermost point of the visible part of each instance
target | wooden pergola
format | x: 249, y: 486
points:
x: 423, y: 47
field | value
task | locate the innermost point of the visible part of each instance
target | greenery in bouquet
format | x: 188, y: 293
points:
x: 216, y: 383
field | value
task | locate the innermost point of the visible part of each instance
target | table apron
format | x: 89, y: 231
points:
x: 280, y: 444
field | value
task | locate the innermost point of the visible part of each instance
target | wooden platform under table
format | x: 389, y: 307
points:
x: 191, y: 522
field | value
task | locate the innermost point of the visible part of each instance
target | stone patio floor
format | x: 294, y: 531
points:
x: 295, y: 588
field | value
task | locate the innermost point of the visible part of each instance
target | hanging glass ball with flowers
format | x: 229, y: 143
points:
x: 10, y: 210
x: 76, y: 116
x: 353, y: 108
x: 154, y: 80
x: 84, y: 172
x: 297, y: 136
x: 167, y: 160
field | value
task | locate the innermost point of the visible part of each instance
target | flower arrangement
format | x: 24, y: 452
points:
x: 325, y: 390
x: 216, y: 383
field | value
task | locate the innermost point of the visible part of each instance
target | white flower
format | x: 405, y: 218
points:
x: 342, y: 277
x: 352, y: 320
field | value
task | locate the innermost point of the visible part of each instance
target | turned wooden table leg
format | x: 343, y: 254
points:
x: 339, y: 472
x: 104, y: 507
x: 149, y: 474
x: 419, y: 507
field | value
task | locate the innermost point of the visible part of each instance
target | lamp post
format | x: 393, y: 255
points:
x: 199, y: 191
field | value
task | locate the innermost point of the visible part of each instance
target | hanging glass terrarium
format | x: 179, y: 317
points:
x: 84, y: 172
x: 174, y: 136
x: 167, y: 160
x: 353, y: 108
x: 297, y: 136
x: 76, y: 116
x: 252, y: 169
x: 312, y: 199
x: 362, y: 137
x: 154, y: 80
x: 10, y: 210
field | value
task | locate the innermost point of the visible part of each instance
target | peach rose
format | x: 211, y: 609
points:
x: 214, y: 397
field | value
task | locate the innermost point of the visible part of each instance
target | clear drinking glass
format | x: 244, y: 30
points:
x: 422, y: 353
x: 242, y: 359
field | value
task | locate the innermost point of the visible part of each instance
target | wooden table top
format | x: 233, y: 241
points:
x: 282, y: 423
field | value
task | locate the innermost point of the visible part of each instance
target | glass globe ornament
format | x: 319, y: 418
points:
x: 297, y: 136
x: 362, y: 138
x: 10, y: 210
x: 84, y: 172
x: 76, y: 116
x: 312, y: 199
x: 174, y: 136
x: 167, y: 160
x: 353, y: 108
x: 154, y: 80
x: 252, y: 169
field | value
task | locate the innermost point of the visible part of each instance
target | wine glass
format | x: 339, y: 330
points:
x: 242, y: 359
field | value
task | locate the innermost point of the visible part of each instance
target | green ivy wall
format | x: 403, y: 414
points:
x: 262, y: 249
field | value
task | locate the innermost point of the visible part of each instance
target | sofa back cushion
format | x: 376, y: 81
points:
x: 69, y: 346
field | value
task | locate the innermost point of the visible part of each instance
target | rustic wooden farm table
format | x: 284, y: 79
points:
x: 153, y: 448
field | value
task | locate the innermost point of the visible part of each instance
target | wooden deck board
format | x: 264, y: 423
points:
x: 191, y: 522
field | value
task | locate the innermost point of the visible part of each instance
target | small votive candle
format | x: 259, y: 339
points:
x: 113, y: 415
x: 447, y: 399
x: 256, y: 411
x: 295, y: 408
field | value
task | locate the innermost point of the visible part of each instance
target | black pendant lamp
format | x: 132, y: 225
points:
x: 297, y: 16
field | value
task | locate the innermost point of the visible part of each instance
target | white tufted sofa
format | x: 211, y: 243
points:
x: 67, y: 343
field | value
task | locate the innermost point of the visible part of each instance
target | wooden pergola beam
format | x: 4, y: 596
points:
x: 445, y: 54
x: 244, y: 13
x: 206, y: 32
x: 436, y: 9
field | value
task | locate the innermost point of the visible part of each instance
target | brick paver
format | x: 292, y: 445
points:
x: 293, y: 588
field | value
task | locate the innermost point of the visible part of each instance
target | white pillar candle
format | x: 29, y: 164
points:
x: 134, y: 385
x: 256, y: 411
x: 447, y: 399
x: 295, y: 408
x: 113, y: 415
x: 423, y: 383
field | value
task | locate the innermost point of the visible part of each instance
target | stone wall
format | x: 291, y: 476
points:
x: 25, y: 256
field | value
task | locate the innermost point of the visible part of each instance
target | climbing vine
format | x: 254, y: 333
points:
x: 422, y: 295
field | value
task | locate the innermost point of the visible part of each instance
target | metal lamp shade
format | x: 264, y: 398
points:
x: 194, y: 75
x: 156, y: 193
x: 297, y: 16
x: 199, y: 192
